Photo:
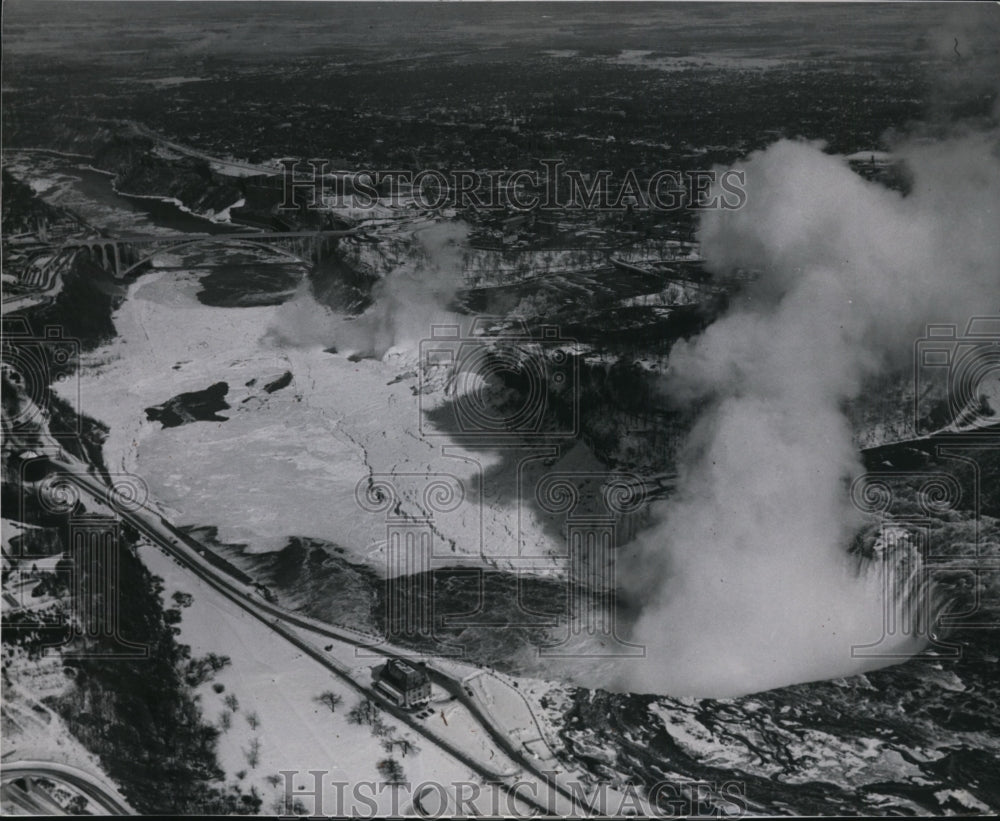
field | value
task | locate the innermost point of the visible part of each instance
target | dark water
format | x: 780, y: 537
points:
x: 249, y: 283
x: 485, y: 617
x: 931, y: 726
x: 97, y: 186
x: 312, y: 576
x: 231, y: 281
x: 196, y: 406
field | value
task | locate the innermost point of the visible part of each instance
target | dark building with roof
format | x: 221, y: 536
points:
x: 406, y: 684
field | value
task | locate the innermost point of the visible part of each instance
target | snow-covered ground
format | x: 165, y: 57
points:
x: 276, y: 687
x: 290, y: 462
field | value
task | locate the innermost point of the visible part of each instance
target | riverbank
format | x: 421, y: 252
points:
x: 220, y: 218
x: 88, y: 191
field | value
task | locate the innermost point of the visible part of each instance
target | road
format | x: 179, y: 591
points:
x: 78, y: 779
x: 186, y: 150
x: 162, y: 534
x: 176, y: 544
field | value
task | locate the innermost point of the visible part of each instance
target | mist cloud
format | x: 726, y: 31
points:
x: 406, y: 302
x: 745, y: 580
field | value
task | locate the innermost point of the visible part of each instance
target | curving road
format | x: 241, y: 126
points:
x: 181, y: 547
x: 80, y: 780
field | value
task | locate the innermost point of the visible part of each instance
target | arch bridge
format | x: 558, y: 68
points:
x: 126, y: 255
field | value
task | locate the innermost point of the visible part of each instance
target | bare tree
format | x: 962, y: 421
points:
x: 225, y: 720
x: 253, y: 719
x: 232, y: 702
x: 391, y: 770
x: 404, y: 745
x: 364, y: 712
x: 330, y: 699
x: 253, y: 754
x: 183, y: 599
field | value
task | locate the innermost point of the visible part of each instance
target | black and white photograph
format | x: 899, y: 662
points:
x: 500, y: 409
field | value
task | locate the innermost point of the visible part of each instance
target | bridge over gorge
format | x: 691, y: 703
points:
x: 125, y: 255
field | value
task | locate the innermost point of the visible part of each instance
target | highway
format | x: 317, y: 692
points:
x: 251, y: 169
x: 76, y: 778
x: 159, y: 532
x: 162, y: 534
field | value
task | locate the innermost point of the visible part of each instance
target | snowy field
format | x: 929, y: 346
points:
x: 289, y: 462
x: 275, y: 687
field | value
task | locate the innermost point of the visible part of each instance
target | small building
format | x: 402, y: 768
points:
x: 406, y: 684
